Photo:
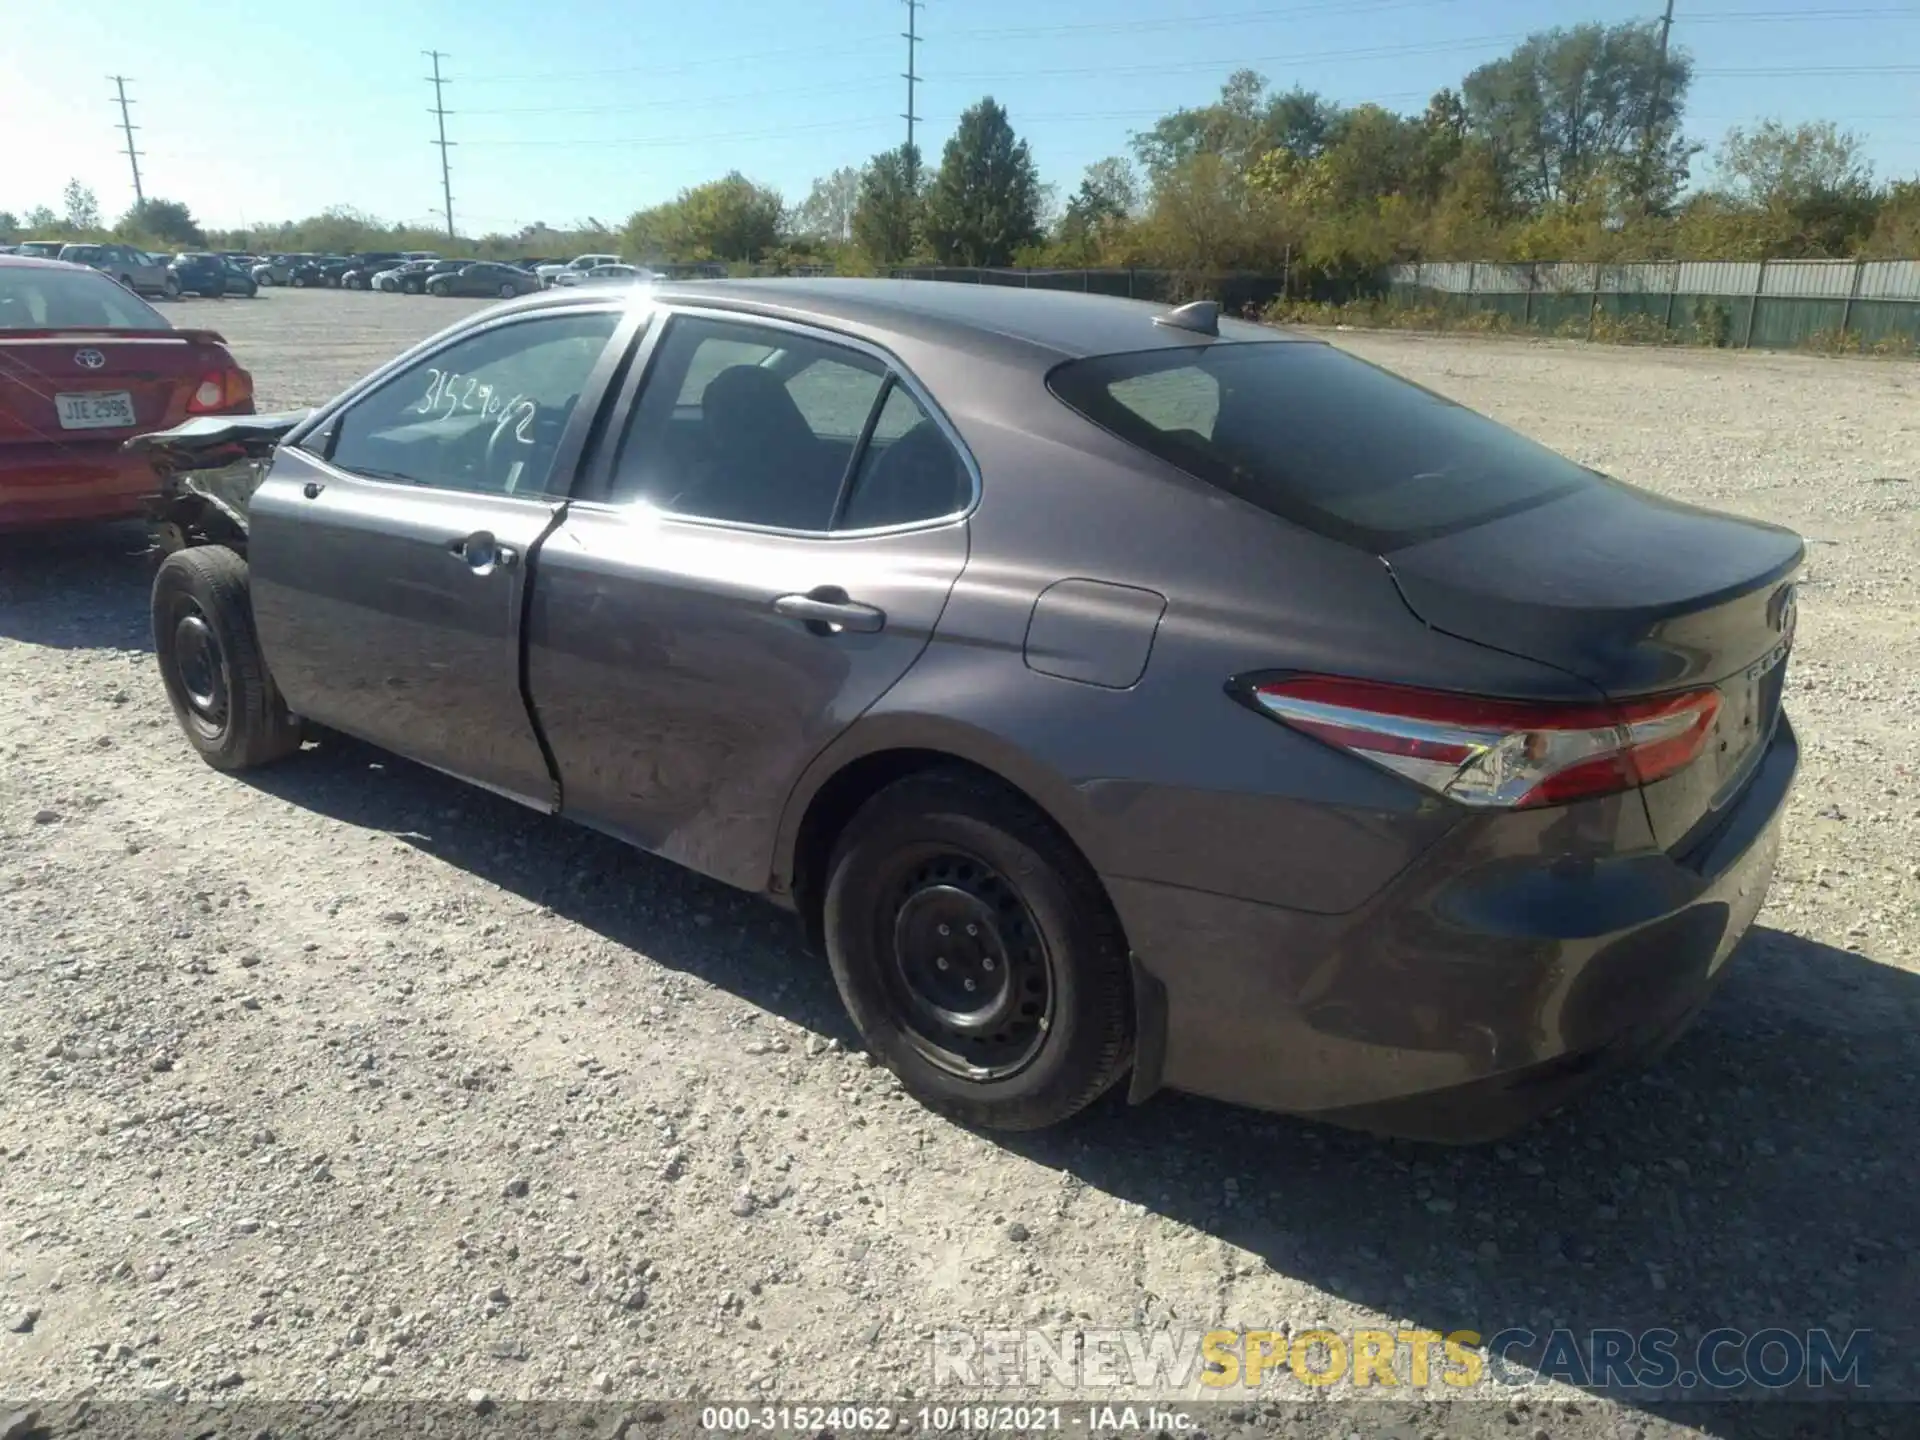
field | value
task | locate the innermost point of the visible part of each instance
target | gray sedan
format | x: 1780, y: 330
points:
x: 140, y: 272
x: 1110, y: 691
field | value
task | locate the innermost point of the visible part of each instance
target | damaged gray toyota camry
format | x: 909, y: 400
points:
x: 1112, y: 691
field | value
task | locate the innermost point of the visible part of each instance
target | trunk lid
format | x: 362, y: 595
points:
x: 156, y: 370
x: 1637, y: 595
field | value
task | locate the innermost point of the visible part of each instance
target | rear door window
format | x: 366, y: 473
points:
x: 909, y: 471
x: 746, y: 424
x: 1313, y: 435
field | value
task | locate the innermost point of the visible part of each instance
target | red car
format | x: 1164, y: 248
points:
x: 84, y: 363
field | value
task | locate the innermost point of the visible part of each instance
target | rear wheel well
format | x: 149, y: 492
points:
x: 840, y: 799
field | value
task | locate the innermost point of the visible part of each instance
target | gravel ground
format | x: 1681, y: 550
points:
x: 348, y: 1080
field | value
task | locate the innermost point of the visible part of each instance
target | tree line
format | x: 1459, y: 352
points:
x: 1573, y: 146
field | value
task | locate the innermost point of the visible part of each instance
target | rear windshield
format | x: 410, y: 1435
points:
x: 1313, y: 435
x: 37, y: 298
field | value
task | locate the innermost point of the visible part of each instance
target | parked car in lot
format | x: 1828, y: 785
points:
x: 359, y: 274
x: 278, y: 269
x: 140, y: 272
x: 606, y: 274
x: 1107, y: 689
x: 317, y: 272
x: 41, y: 249
x: 240, y: 279
x: 199, y: 272
x: 412, y: 277
x: 83, y: 364
x: 483, y: 278
x: 579, y: 265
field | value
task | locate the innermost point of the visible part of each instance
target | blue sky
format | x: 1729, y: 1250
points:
x: 575, y: 108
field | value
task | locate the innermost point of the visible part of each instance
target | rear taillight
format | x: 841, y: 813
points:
x: 221, y: 391
x: 1498, y: 753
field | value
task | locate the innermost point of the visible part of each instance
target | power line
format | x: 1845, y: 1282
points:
x: 912, y: 37
x: 1189, y: 22
x: 678, y: 104
x: 1375, y: 52
x: 127, y: 125
x: 732, y: 61
x: 440, y: 112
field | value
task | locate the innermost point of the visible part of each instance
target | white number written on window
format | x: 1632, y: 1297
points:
x: 450, y: 393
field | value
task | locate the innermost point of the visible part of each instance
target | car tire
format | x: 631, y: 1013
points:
x: 507, y: 292
x: 298, y: 282
x: 171, y: 289
x: 1044, y: 1026
x: 210, y: 662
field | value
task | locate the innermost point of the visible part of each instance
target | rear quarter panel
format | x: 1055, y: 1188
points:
x: 1168, y: 780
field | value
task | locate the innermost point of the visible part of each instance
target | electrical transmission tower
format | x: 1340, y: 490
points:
x: 912, y: 36
x: 440, y: 113
x: 128, y: 127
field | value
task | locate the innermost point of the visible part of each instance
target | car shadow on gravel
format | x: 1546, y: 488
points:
x: 84, y: 588
x: 1761, y: 1175
x: 642, y: 903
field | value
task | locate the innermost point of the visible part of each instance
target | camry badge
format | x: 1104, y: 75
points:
x: 89, y: 359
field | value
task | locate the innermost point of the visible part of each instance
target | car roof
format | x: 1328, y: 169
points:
x: 43, y: 263
x: 1043, y: 325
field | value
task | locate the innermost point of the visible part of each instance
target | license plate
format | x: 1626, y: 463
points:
x: 102, y: 410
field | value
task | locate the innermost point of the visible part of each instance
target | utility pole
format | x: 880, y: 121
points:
x: 1653, y: 110
x: 440, y: 112
x: 912, y: 36
x: 127, y: 126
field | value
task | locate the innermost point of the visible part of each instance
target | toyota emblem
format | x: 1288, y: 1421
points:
x: 89, y: 359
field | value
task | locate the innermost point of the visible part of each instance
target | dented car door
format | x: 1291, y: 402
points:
x: 389, y: 543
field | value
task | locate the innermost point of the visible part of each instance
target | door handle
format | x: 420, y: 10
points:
x: 483, y: 553
x: 827, y: 611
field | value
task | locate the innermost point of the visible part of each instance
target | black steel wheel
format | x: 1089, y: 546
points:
x: 970, y: 975
x: 210, y: 661
x: 205, y: 682
x: 977, y: 952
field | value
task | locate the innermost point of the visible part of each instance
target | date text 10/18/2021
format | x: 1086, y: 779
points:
x: 982, y: 1419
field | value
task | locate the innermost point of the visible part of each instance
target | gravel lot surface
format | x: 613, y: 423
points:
x: 347, y: 1079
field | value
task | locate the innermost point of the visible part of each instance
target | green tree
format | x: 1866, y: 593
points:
x: 41, y: 222
x: 827, y: 212
x: 1896, y: 229
x: 9, y: 225
x: 886, y: 217
x: 985, y: 203
x: 732, y: 218
x: 1241, y: 126
x: 1108, y: 191
x: 1098, y: 211
x: 1568, y: 106
x: 726, y: 219
x: 1788, y: 165
x: 1205, y: 218
x: 1806, y: 189
x: 167, y: 221
x: 83, y: 209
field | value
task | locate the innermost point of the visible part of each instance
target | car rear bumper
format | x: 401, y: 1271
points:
x: 1473, y: 994
x: 73, y: 481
